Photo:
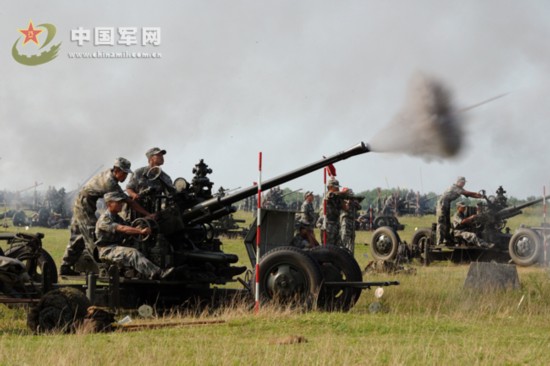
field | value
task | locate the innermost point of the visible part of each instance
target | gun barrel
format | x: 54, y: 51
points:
x: 217, y: 202
x: 516, y: 210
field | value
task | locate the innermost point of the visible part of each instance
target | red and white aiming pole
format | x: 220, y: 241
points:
x: 544, y: 242
x: 258, y: 224
x: 324, y: 238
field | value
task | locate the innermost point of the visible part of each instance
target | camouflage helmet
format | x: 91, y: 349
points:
x: 154, y: 151
x: 461, y: 179
x: 123, y: 164
x: 114, y: 197
x: 332, y: 182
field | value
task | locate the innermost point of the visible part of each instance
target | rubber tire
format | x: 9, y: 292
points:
x: 419, y: 234
x: 389, y: 253
x: 381, y: 221
x: 534, y: 253
x: 59, y: 311
x: 42, y: 269
x: 301, y: 266
x: 337, y: 264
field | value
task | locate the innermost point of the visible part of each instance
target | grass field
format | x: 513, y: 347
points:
x: 430, y: 319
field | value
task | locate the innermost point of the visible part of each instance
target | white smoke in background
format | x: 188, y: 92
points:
x: 428, y: 126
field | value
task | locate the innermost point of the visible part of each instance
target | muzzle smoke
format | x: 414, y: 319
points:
x: 428, y: 126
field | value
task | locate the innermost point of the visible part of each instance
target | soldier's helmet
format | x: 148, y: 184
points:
x: 114, y: 197
x: 154, y: 151
x: 333, y: 183
x: 123, y: 164
x: 461, y: 179
x: 308, y: 193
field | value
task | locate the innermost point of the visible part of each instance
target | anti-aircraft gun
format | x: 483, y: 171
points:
x: 523, y: 247
x: 183, y: 237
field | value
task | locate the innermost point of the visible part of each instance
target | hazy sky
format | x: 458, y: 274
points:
x: 294, y: 79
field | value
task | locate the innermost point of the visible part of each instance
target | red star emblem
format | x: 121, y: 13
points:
x: 30, y: 33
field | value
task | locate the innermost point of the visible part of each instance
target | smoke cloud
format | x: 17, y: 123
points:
x: 428, y: 126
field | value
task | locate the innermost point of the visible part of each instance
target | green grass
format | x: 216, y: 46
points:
x: 430, y: 319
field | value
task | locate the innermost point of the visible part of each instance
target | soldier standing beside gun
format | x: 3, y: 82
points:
x: 443, y: 208
x: 334, y: 207
x: 142, y: 189
x: 85, y: 206
x: 307, y: 219
x: 347, y: 219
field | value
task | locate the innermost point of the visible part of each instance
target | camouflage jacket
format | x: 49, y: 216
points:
x: 139, y: 182
x: 307, y: 216
x: 450, y: 195
x: 105, y: 229
x: 96, y: 188
x: 457, y: 220
x: 334, y: 206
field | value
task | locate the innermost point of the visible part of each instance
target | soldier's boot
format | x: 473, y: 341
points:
x: 163, y: 274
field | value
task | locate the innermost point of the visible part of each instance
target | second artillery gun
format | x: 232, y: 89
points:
x: 524, y: 247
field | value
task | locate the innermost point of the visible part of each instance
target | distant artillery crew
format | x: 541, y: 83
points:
x: 147, y: 184
x: 443, y: 208
x: 389, y: 206
x: 84, y: 218
x: 306, y: 220
x: 332, y: 212
x: 348, y: 217
x: 274, y: 199
x: 307, y: 212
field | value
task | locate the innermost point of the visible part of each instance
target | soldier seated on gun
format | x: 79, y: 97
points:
x: 460, y: 227
x: 303, y: 238
x: 112, y: 230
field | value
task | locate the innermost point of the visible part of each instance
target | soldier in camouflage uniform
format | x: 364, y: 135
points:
x: 332, y: 214
x: 85, y: 206
x: 111, y: 230
x: 347, y: 219
x: 443, y: 208
x: 460, y: 227
x: 143, y: 189
x: 306, y: 219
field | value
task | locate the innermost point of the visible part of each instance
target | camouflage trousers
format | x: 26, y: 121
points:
x: 469, y: 237
x: 347, y: 234
x: 129, y: 258
x: 443, y: 223
x: 333, y: 233
x: 82, y: 237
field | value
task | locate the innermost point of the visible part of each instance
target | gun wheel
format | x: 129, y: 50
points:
x: 337, y: 265
x: 39, y: 265
x: 384, y: 243
x: 525, y: 247
x: 289, y: 275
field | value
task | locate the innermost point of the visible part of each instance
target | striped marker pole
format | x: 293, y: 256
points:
x: 258, y: 223
x: 544, y: 242
x: 325, y: 207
